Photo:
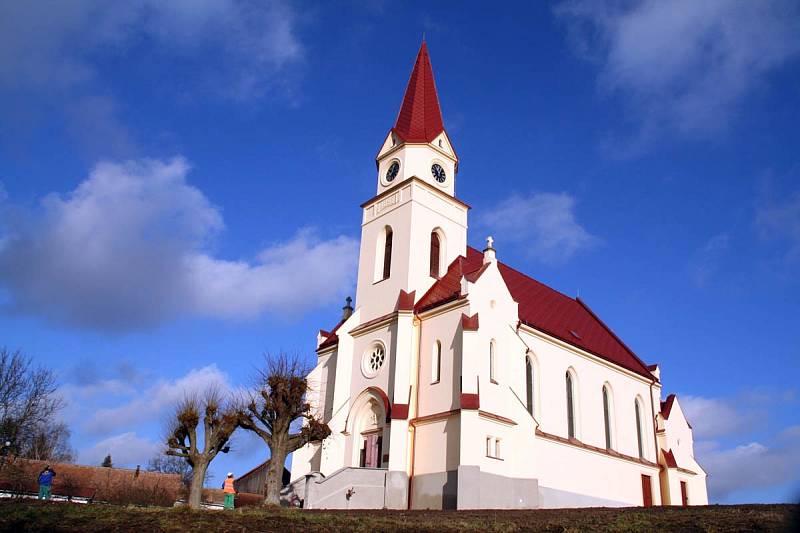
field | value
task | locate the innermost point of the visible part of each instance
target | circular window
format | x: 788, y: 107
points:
x: 373, y: 360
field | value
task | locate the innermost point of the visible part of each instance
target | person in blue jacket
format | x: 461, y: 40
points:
x: 46, y: 482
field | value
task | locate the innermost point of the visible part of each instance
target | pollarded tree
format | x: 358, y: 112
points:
x: 220, y: 419
x: 278, y: 401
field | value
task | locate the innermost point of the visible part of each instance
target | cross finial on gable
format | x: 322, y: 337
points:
x: 489, y: 255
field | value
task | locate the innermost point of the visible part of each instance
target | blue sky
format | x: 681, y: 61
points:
x: 180, y: 187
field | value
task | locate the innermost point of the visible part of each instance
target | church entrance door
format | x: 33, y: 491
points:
x: 371, y: 452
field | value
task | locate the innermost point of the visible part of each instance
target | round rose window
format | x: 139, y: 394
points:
x: 373, y: 360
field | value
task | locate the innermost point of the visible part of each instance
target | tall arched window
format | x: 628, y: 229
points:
x: 387, y: 254
x: 529, y: 384
x: 570, y: 408
x: 639, y: 429
x: 435, y: 250
x: 607, y: 416
x: 436, y: 364
x: 492, y: 362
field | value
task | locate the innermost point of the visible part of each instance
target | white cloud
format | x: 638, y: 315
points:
x: 779, y: 220
x: 153, y: 403
x: 128, y: 249
x: 752, y: 465
x: 126, y: 418
x: 743, y: 463
x: 717, y: 417
x: 52, y: 48
x: 705, y: 262
x: 544, y: 223
x: 684, y: 65
x: 126, y: 450
x: 53, y: 57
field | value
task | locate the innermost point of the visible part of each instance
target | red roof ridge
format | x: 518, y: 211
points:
x: 420, y: 117
x: 333, y: 338
x: 429, y: 299
x: 560, y: 316
x: 469, y: 323
x: 666, y: 406
x: 473, y: 276
x: 505, y: 265
x: 405, y: 301
x: 585, y: 306
x: 669, y: 458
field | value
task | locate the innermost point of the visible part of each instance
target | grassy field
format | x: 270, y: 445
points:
x: 57, y: 517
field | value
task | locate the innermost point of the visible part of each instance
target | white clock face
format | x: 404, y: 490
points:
x: 438, y: 173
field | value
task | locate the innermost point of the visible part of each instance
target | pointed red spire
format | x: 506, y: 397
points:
x: 420, y: 119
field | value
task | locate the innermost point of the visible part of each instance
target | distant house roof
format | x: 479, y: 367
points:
x: 254, y: 480
x: 542, y: 308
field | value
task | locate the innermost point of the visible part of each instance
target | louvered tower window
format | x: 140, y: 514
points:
x: 387, y: 254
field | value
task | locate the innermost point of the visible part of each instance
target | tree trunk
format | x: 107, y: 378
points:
x: 275, y: 473
x: 196, y: 487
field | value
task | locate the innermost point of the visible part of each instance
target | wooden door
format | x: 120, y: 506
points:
x: 647, y: 491
x: 684, y: 494
x: 371, y: 451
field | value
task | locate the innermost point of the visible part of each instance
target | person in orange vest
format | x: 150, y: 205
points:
x: 229, y: 490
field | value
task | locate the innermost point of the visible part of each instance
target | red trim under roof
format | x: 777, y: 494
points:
x: 542, y: 308
x: 420, y: 117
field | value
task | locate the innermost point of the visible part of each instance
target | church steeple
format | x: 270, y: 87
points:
x: 420, y: 118
x: 415, y: 226
x: 418, y: 145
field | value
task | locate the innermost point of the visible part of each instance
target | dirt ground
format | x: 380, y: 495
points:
x: 27, y: 516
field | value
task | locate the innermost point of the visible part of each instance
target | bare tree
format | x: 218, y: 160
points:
x: 28, y: 399
x: 219, y: 422
x: 278, y: 401
x: 48, y: 442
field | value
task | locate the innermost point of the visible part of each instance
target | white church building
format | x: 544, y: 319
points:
x: 458, y: 382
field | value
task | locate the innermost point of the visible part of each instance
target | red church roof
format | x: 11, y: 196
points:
x: 666, y: 406
x: 542, y: 308
x: 331, y: 338
x: 420, y: 118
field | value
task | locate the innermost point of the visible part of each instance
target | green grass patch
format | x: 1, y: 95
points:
x: 33, y: 516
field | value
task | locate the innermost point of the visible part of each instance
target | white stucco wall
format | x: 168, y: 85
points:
x: 413, y: 211
x: 436, y: 446
x: 677, y: 436
x: 444, y: 395
x: 564, y: 471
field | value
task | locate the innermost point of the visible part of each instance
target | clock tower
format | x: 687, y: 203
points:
x: 415, y: 226
x: 418, y: 144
